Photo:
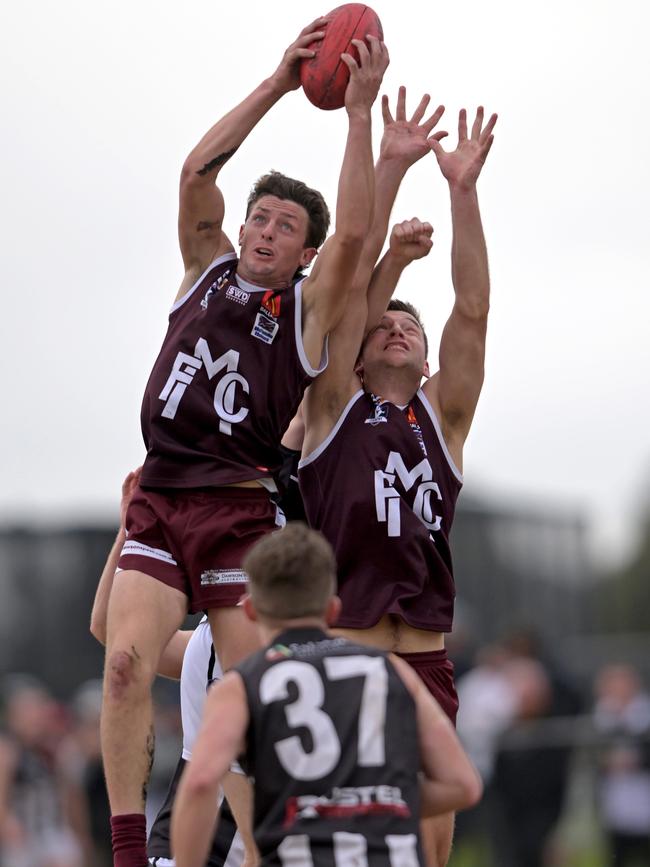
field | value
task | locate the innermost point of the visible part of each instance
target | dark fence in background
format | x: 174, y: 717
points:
x: 513, y: 566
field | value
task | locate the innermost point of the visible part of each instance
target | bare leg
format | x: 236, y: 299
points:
x: 143, y: 614
x: 234, y: 636
x: 437, y: 834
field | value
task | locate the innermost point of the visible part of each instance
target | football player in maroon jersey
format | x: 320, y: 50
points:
x: 382, y: 454
x: 213, y: 412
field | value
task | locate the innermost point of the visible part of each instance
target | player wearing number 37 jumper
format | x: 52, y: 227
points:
x: 334, y: 733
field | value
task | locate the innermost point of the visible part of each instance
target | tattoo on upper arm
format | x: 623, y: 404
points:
x: 217, y: 161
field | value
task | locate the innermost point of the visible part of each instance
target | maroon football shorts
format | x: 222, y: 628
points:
x: 436, y: 671
x: 195, y: 540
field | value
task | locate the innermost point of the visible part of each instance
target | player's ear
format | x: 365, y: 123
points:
x: 426, y: 371
x: 249, y: 608
x: 333, y: 610
x: 241, y: 233
x: 307, y: 256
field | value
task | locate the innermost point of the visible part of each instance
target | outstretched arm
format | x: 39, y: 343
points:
x: 103, y: 592
x: 409, y: 240
x: 171, y: 660
x: 403, y: 143
x: 201, y: 209
x: 219, y: 742
x: 327, y: 288
x: 455, y: 389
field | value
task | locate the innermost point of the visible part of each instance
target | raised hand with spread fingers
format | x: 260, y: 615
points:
x: 462, y: 166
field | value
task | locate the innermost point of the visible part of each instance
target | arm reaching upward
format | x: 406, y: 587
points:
x: 220, y: 740
x: 201, y: 208
x: 103, y: 592
x: 455, y: 389
x: 327, y: 288
x: 409, y: 240
x: 403, y: 143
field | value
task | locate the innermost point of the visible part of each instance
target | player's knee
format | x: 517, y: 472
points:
x: 125, y: 674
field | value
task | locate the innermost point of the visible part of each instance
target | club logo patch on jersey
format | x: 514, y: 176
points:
x: 223, y: 576
x: 271, y: 302
x: 266, y: 322
x: 234, y: 293
x: 378, y: 415
x: 265, y: 328
x: 214, y: 287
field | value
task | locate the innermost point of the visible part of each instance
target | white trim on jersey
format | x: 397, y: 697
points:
x: 191, y: 290
x: 249, y: 287
x: 141, y: 550
x: 194, y: 685
x: 328, y: 439
x: 443, y: 445
x: 300, y: 345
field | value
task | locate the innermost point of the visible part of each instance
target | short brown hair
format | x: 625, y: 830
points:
x: 406, y: 307
x: 292, y: 573
x: 279, y: 185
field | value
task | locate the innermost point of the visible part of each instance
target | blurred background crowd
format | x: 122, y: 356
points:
x: 553, y: 673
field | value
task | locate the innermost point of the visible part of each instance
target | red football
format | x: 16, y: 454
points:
x: 325, y: 76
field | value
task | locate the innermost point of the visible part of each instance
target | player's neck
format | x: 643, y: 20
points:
x: 396, y: 386
x: 271, y: 629
x: 264, y: 282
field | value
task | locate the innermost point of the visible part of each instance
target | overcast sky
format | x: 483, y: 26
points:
x: 102, y: 101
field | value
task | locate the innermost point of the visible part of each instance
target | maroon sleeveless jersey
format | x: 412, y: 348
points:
x: 228, y: 380
x: 382, y: 488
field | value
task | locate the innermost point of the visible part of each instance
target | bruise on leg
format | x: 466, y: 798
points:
x: 121, y: 666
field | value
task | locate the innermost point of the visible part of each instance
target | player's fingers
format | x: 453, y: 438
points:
x: 362, y: 48
x: 426, y: 230
x: 305, y: 52
x: 378, y: 52
x: 411, y: 229
x: 438, y: 136
x: 429, y: 124
x: 478, y: 123
x: 400, y: 109
x: 384, y: 56
x: 308, y: 38
x: 486, y: 147
x: 316, y: 23
x: 489, y: 126
x: 385, y: 110
x: 351, y: 63
x: 418, y: 114
x: 435, y: 146
x: 373, y: 43
x: 462, y: 125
